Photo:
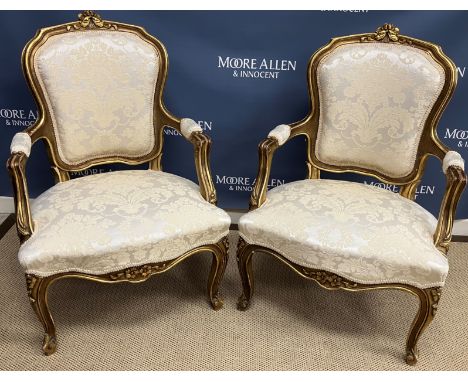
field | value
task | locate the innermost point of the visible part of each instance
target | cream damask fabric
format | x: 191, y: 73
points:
x: 281, y: 133
x: 188, y: 127
x: 99, y: 87
x: 374, y: 101
x: 21, y: 143
x: 361, y: 232
x: 452, y: 158
x: 106, y: 222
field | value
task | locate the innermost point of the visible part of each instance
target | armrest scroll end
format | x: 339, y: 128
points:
x: 21, y: 143
x: 188, y: 127
x: 452, y: 158
x: 281, y: 133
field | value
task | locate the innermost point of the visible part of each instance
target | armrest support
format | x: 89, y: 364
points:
x: 191, y: 131
x: 202, y: 145
x: 453, y: 166
x: 16, y: 165
x: 276, y: 138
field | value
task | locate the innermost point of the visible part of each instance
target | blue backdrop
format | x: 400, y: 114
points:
x: 238, y: 106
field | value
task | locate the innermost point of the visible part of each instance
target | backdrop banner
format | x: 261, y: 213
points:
x: 238, y: 74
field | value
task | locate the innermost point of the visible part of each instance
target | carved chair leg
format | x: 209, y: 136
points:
x: 218, y: 266
x: 37, y: 292
x: 429, y: 299
x: 244, y: 262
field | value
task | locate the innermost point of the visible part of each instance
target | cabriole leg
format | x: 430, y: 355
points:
x: 37, y: 292
x: 429, y: 299
x: 244, y: 262
x: 218, y: 266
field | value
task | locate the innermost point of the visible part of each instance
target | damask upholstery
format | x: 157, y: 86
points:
x: 281, y: 133
x: 99, y: 86
x: 361, y: 232
x: 21, y: 143
x: 110, y: 221
x: 452, y: 158
x: 188, y: 127
x: 374, y: 101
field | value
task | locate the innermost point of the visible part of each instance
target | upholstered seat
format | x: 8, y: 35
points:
x: 111, y: 221
x: 361, y: 232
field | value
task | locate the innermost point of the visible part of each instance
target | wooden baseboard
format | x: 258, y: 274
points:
x: 7, y: 224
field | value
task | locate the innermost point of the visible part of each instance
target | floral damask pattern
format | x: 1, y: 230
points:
x: 99, y: 86
x: 360, y: 232
x: 374, y: 101
x: 107, y: 222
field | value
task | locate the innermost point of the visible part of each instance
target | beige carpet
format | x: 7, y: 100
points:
x: 167, y: 324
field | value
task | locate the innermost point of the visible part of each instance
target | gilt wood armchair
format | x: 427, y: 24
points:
x: 376, y: 99
x: 98, y: 86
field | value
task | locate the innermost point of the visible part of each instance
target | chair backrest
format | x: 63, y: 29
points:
x: 98, y: 85
x: 376, y: 99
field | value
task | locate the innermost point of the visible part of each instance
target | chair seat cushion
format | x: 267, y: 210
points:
x: 110, y: 221
x: 363, y: 233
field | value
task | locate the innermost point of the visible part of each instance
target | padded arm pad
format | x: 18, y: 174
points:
x: 281, y: 133
x: 21, y: 143
x: 188, y: 127
x: 452, y: 158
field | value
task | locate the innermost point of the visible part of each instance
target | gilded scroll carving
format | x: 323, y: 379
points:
x: 138, y: 273
x: 90, y: 20
x: 387, y: 33
x: 328, y: 280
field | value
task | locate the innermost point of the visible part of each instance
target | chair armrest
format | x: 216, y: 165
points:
x: 201, y: 146
x: 453, y: 167
x: 191, y: 131
x: 276, y: 138
x: 281, y: 133
x: 188, y: 127
x: 20, y: 149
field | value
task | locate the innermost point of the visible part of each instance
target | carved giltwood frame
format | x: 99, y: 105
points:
x: 429, y: 144
x: 43, y: 129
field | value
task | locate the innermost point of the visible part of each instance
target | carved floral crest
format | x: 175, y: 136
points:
x: 90, y: 20
x: 88, y: 17
x: 386, y: 33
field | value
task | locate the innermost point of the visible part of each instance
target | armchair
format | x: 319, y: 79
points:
x: 98, y: 86
x: 376, y: 99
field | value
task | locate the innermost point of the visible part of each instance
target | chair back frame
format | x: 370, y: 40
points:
x: 44, y: 129
x: 429, y: 143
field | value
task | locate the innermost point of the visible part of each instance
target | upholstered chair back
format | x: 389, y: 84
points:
x: 375, y: 99
x: 99, y: 86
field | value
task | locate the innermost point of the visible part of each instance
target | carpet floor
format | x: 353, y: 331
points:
x: 166, y: 322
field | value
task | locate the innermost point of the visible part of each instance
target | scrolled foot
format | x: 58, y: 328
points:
x: 411, y: 357
x: 217, y: 302
x: 49, y: 344
x: 243, y: 303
